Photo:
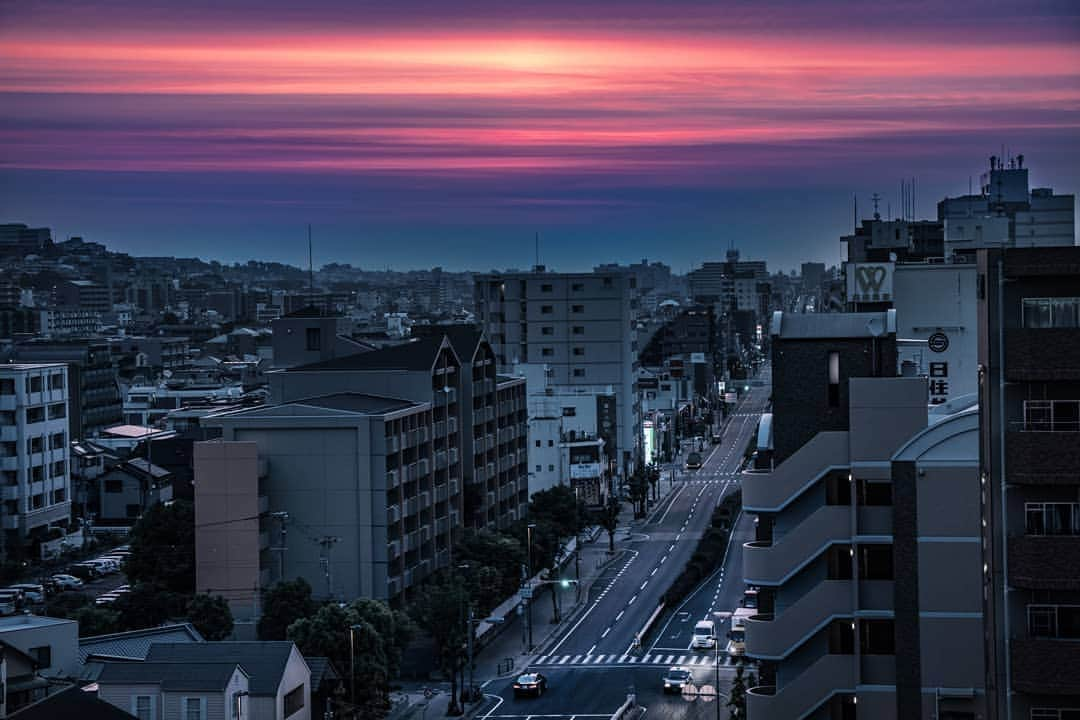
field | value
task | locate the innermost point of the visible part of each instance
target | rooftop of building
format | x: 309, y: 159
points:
x: 344, y: 402
x: 418, y: 355
x: 135, y: 644
x: 74, y: 702
x: 211, y: 673
x: 13, y: 623
x: 808, y: 326
x: 264, y: 661
x: 21, y: 367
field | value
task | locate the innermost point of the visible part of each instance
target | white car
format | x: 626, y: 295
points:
x: 67, y: 582
x: 106, y: 599
x: 32, y: 591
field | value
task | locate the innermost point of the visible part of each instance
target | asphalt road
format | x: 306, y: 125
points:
x: 592, y: 664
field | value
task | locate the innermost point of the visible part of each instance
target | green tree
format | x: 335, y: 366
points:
x: 439, y: 609
x: 737, y: 698
x: 96, y: 621
x: 211, y: 616
x: 559, y: 508
x: 375, y: 632
x: 608, y: 518
x: 284, y: 604
x: 163, y: 548
x: 147, y: 606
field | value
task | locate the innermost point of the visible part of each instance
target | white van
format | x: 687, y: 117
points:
x: 737, y: 634
x: 704, y: 635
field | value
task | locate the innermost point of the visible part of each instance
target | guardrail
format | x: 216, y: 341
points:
x: 629, y: 709
x: 644, y: 631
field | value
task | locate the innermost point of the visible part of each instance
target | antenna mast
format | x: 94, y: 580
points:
x: 311, y: 269
x: 537, y: 246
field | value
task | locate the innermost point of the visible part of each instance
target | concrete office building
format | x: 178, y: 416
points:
x: 370, y: 494
x: 34, y: 450
x: 582, y: 327
x: 1007, y: 212
x: 1029, y: 350
x: 865, y: 528
x: 84, y: 295
x: 309, y: 336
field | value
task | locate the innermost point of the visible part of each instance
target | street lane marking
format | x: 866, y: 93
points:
x: 604, y: 635
x: 653, y: 572
x: 644, y: 584
x: 663, y: 559
x: 632, y: 600
x: 619, y: 615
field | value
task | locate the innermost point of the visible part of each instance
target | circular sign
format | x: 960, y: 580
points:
x: 938, y: 342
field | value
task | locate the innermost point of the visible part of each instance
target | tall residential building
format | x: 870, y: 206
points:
x: 85, y: 295
x: 1007, y: 212
x: 34, y: 450
x: 356, y: 493
x: 581, y: 326
x: 18, y: 239
x: 899, y: 239
x: 866, y: 541
x: 1029, y: 355
x: 94, y: 401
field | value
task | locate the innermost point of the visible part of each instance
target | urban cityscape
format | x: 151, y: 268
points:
x: 580, y: 362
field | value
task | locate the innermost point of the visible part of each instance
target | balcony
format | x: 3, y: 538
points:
x: 393, y: 586
x: 772, y: 491
x: 9, y: 492
x: 773, y: 564
x: 393, y: 514
x: 1044, y: 562
x: 828, y: 675
x: 393, y: 444
x: 1042, y: 458
x: 1042, y: 354
x: 425, y: 499
x: 453, y: 487
x: 1046, y: 666
x: 440, y: 460
x: 441, y: 493
x: 392, y: 479
x: 412, y: 506
x: 774, y: 637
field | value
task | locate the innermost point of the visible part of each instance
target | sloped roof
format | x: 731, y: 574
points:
x: 142, y: 465
x: 322, y: 670
x: 264, y: 661
x: 416, y: 355
x: 73, y: 702
x: 136, y: 643
x: 171, y: 676
x: 464, y: 339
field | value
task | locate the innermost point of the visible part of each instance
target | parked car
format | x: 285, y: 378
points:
x: 107, y: 598
x: 530, y: 684
x: 8, y: 606
x: 33, y: 592
x: 67, y: 582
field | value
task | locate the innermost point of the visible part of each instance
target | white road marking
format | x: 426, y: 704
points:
x: 604, y: 635
x: 632, y: 600
x: 619, y: 615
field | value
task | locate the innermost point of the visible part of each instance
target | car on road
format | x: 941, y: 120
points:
x: 693, y: 461
x: 704, y: 635
x: 676, y: 678
x: 67, y: 582
x: 33, y: 592
x: 530, y: 684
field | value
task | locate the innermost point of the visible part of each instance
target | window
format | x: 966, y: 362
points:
x: 142, y: 707
x: 1052, y: 518
x: 1060, y: 312
x: 877, y: 637
x: 547, y: 352
x: 57, y: 411
x: 546, y: 309
x: 56, y: 381
x: 607, y: 282
x: 569, y: 411
x: 1038, y: 713
x: 42, y: 655
x: 56, y: 441
x: 35, y: 414
x: 551, y: 468
x: 579, y: 351
x: 578, y: 287
x: 193, y: 708
x: 579, y: 330
x: 539, y: 468
x: 579, y: 372
x: 1051, y: 415
x: 1061, y: 622
x: 59, y: 496
x: 875, y: 562
x: 7, y: 386
x: 551, y: 443
x: 132, y: 510
x: 294, y: 700
x: 834, y: 379
x: 114, y: 486
x: 58, y: 468
x: 313, y: 338
x: 577, y: 308
x: 537, y: 443
x: 547, y: 330
x: 545, y: 288
x: 33, y: 384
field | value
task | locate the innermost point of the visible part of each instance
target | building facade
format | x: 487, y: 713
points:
x: 582, y: 327
x: 34, y: 452
x: 1029, y: 355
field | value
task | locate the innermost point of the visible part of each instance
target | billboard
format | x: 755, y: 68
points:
x: 869, y: 282
x: 584, y: 471
x: 607, y: 422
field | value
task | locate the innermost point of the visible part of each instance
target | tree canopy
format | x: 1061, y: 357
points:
x: 163, y: 548
x: 284, y: 604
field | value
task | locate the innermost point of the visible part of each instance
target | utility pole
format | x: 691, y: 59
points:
x: 327, y: 543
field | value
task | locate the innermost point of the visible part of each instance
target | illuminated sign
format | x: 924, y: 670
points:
x: 869, y: 282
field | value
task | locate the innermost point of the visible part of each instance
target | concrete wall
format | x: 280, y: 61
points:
x: 885, y: 412
x: 227, y: 559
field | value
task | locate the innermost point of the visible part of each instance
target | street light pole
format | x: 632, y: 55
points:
x: 528, y: 579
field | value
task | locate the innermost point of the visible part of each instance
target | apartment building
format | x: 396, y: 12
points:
x: 582, y: 327
x: 495, y: 465
x: 34, y: 450
x: 1029, y: 355
x: 353, y: 492
x: 866, y: 543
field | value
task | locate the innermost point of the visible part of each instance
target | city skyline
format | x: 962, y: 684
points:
x: 667, y: 132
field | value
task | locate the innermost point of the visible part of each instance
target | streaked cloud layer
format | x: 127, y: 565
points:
x: 485, y: 121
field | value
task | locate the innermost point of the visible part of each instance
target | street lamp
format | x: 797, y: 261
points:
x: 352, y: 664
x: 528, y: 579
x: 472, y: 628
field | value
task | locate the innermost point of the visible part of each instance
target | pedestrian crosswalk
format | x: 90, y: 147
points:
x: 659, y: 659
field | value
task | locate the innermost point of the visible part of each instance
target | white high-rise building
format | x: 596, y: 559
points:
x: 581, y: 327
x: 34, y: 446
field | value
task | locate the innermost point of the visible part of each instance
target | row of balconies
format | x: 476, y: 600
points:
x: 1042, y: 354
x: 771, y: 492
x: 805, y: 693
x: 1042, y: 458
x: 483, y: 415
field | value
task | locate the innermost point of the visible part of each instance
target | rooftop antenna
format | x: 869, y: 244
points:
x: 876, y: 198
x: 311, y: 269
x: 537, y: 265
x: 855, y: 209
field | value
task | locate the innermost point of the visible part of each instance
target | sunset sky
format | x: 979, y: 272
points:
x: 414, y: 134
